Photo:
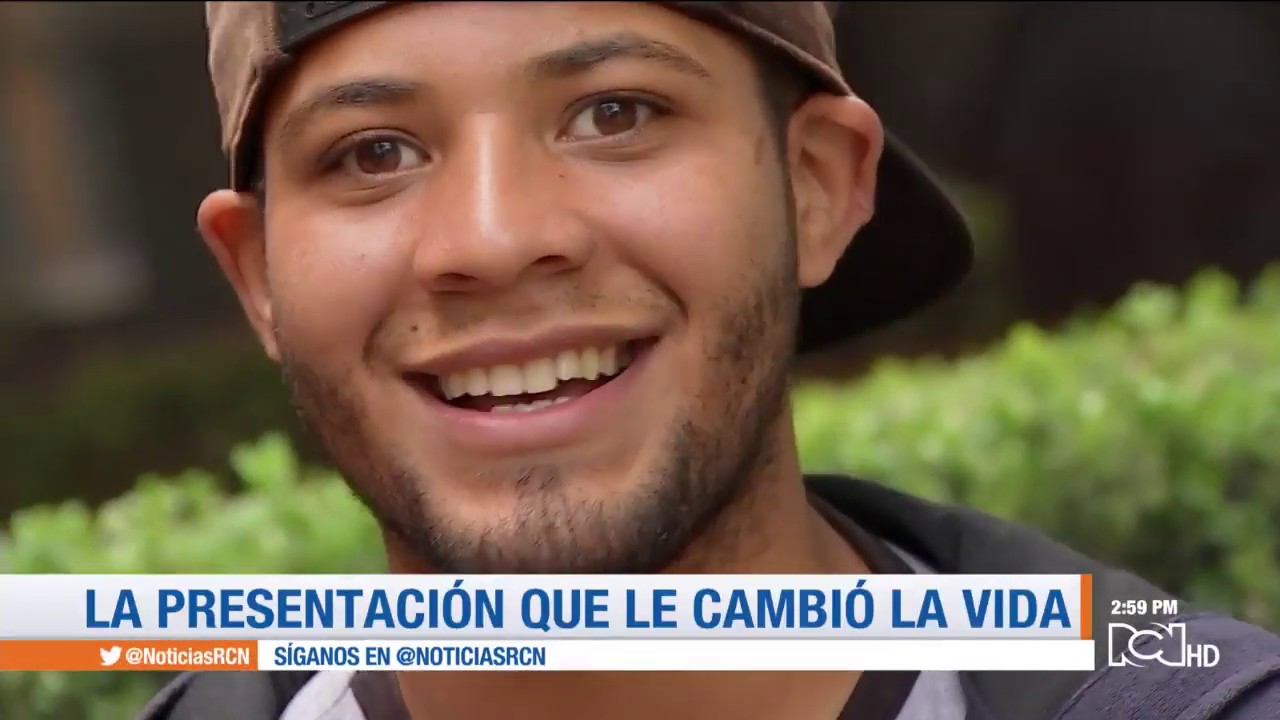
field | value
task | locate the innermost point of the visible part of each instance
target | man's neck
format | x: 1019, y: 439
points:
x: 774, y: 530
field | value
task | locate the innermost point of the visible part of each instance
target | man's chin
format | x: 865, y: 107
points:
x: 537, y: 521
x: 579, y: 539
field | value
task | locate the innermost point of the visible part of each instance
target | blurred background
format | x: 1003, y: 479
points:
x: 1100, y: 150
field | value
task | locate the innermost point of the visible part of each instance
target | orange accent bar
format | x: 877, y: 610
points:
x: 126, y: 655
x: 1086, y: 607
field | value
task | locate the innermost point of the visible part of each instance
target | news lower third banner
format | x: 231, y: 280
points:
x: 551, y: 622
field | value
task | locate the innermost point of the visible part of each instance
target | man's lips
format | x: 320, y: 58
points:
x: 520, y: 350
x: 563, y: 392
x: 524, y: 394
x: 535, y: 384
x: 523, y: 422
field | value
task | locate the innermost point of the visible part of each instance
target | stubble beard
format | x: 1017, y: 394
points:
x: 702, y: 487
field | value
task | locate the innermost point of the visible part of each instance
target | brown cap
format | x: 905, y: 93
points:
x: 915, y: 250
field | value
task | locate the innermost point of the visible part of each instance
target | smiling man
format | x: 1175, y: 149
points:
x: 536, y: 275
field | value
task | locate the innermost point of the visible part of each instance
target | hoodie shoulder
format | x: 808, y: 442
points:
x: 242, y: 695
x: 1241, y: 680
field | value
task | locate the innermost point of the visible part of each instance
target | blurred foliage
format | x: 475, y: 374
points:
x: 1144, y: 437
x: 285, y: 518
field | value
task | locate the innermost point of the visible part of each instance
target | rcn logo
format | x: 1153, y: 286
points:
x: 1160, y: 644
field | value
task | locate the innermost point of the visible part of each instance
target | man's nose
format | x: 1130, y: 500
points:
x: 498, y: 215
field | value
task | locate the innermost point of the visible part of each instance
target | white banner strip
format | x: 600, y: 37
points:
x: 539, y: 608
x: 679, y: 655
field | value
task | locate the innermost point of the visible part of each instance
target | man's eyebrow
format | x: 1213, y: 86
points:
x: 364, y: 92
x: 582, y: 56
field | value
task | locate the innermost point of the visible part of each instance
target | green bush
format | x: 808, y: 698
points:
x: 287, y: 519
x: 1145, y: 438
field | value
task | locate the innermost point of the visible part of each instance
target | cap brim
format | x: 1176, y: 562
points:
x: 916, y: 249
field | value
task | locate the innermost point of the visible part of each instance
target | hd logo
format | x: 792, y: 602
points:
x: 1160, y: 644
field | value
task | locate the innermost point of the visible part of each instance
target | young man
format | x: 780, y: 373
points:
x: 536, y: 274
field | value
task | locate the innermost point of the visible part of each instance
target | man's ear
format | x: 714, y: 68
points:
x: 231, y: 224
x: 834, y: 148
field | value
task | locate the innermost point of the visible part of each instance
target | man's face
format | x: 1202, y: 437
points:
x: 530, y: 272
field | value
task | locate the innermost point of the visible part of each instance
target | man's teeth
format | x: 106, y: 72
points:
x: 537, y: 376
x: 529, y: 407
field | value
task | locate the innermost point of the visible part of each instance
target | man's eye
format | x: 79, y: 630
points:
x: 608, y: 117
x: 381, y: 156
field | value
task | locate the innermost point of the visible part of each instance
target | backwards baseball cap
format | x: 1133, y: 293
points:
x: 915, y: 249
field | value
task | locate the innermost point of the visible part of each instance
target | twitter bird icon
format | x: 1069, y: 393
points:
x: 110, y: 656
